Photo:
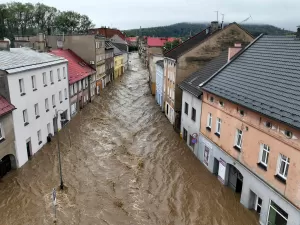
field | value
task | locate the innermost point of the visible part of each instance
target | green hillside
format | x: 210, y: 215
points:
x: 187, y: 29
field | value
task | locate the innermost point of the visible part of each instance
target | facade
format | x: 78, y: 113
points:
x: 80, y: 76
x: 159, y: 96
x: 123, y: 47
x: 132, y: 41
x: 7, y: 138
x: 91, y: 48
x: 118, y: 65
x: 250, y: 127
x: 192, y: 55
x: 37, y: 85
x: 109, y: 62
x: 152, y: 71
x: 108, y: 32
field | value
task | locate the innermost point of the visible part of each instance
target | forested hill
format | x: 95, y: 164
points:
x: 187, y: 29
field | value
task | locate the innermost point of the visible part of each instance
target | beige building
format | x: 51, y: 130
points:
x: 191, y: 56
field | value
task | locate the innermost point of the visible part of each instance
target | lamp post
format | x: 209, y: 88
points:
x: 58, y: 150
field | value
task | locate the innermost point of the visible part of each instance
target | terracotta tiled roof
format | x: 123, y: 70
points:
x: 77, y: 68
x: 5, y: 106
x: 107, y: 32
x: 158, y: 41
x: 131, y: 39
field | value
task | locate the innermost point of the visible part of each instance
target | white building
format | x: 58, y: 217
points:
x: 37, y: 85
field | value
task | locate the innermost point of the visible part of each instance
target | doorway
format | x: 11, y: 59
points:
x: 55, y: 128
x: 29, y: 148
x: 235, y: 179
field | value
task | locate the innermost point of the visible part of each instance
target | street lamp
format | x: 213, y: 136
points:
x: 58, y: 150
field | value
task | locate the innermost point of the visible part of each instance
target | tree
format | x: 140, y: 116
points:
x: 169, y: 45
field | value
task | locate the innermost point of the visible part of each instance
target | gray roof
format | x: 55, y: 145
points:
x: 20, y: 59
x: 116, y: 50
x: 191, y: 84
x: 108, y: 45
x: 121, y: 47
x: 265, y: 78
x: 160, y: 63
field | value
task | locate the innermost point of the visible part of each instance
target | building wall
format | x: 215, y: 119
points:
x: 4, y: 88
x: 7, y: 147
x: 125, y: 60
x: 118, y: 62
x: 255, y: 133
x: 169, y: 87
x: 152, y: 71
x: 186, y: 119
x: 22, y: 133
x: 160, y: 86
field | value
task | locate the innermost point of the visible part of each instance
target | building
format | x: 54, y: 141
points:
x: 91, y: 48
x: 37, y: 85
x: 159, y: 96
x: 7, y: 138
x: 109, y: 62
x: 132, y: 41
x: 250, y: 127
x: 124, y: 49
x: 152, y: 71
x: 192, y: 55
x: 110, y: 33
x: 192, y: 97
x: 118, y: 62
x: 80, y: 76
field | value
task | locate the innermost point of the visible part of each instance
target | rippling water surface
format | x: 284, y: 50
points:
x: 122, y: 164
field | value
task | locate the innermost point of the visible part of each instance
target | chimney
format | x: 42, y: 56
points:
x: 234, y: 50
x: 298, y: 32
x: 4, y: 46
x: 214, y: 26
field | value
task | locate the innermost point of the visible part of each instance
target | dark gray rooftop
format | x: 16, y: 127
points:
x: 191, y: 84
x: 120, y: 46
x: 264, y: 78
x: 160, y: 63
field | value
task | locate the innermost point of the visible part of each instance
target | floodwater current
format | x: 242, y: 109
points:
x: 122, y: 163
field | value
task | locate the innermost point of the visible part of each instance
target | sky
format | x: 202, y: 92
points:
x: 129, y: 14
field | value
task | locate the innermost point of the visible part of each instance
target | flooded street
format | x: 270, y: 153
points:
x: 122, y: 164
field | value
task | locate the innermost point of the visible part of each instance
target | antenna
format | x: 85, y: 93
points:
x: 217, y: 15
x: 250, y: 17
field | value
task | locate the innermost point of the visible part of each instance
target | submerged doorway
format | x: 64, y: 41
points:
x: 235, y: 180
x: 29, y: 148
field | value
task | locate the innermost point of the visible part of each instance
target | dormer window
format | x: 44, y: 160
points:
x: 242, y: 113
x: 288, y: 134
x: 221, y: 103
x: 211, y: 99
x: 268, y: 124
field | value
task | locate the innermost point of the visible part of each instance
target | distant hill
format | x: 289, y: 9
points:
x: 187, y: 29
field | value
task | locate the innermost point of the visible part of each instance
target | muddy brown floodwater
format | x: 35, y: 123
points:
x: 122, y: 164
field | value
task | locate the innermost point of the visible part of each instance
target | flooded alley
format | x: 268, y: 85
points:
x: 122, y: 163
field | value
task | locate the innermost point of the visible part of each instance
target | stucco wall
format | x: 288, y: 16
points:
x: 22, y: 133
x: 255, y: 133
x: 159, y: 86
x: 4, y: 88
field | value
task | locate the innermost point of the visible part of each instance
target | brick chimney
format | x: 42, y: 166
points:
x: 4, y: 45
x: 214, y: 26
x: 232, y: 51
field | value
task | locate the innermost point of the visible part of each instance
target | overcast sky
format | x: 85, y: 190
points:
x: 127, y: 14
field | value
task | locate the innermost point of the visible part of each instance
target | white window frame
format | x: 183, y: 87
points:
x: 47, y: 104
x: 264, y: 149
x: 49, y: 128
x: 60, y: 97
x: 237, y: 134
x: 36, y: 110
x: 53, y: 101
x: 270, y: 205
x: 39, y: 134
x: 66, y: 94
x: 218, y: 125
x: 58, y: 74
x: 44, y: 79
x: 33, y: 82
x: 64, y: 72
x: 2, y: 135
x: 257, y: 204
x: 192, y: 114
x: 21, y: 86
x: 71, y: 89
x: 283, y: 159
x: 51, y: 77
x: 25, y: 116
x: 209, y: 120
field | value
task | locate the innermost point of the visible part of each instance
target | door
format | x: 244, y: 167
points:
x: 28, y: 148
x: 55, y: 129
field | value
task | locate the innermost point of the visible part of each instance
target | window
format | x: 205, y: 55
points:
x: 46, y: 104
x: 36, y: 110
x: 211, y: 99
x: 277, y: 215
x: 21, y: 85
x: 58, y: 74
x: 79, y: 85
x: 221, y: 103
x: 49, y: 128
x: 44, y: 79
x: 53, y: 101
x: 186, y: 108
x: 268, y: 124
x: 71, y: 90
x: 242, y: 113
x: 1, y: 132
x: 39, y: 134
x: 238, y: 139
x: 283, y: 166
x: 191, y: 141
x: 51, y: 77
x: 288, y: 134
x: 75, y: 88
x: 64, y: 73
x: 193, y: 114
x: 185, y: 135
x: 264, y: 154
x: 60, y: 97
x: 25, y: 117
x: 209, y: 121
x: 33, y: 82
x: 258, y: 204
x: 218, y: 126
x: 66, y: 94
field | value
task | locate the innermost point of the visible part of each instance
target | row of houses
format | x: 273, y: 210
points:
x: 46, y: 80
x: 235, y: 101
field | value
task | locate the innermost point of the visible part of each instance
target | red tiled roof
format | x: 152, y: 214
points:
x: 107, y: 32
x: 158, y: 41
x: 131, y: 39
x: 77, y: 68
x: 5, y: 106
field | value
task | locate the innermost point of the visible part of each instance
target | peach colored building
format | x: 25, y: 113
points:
x: 250, y: 128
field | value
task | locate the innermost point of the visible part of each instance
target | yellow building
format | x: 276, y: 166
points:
x: 118, y: 65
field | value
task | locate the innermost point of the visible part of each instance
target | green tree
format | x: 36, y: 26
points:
x: 169, y: 45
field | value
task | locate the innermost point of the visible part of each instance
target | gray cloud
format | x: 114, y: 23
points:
x: 134, y: 13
